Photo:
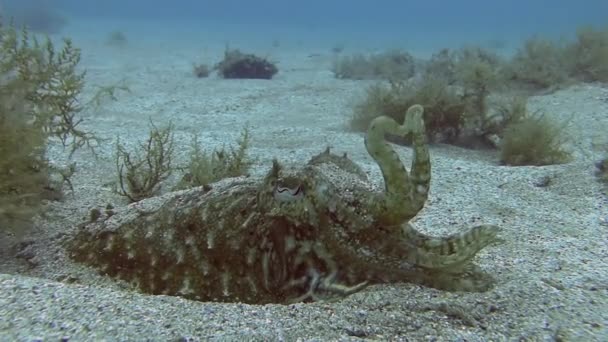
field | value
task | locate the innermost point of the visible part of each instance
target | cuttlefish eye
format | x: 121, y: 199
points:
x: 286, y: 191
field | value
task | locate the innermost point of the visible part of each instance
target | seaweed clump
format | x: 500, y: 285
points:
x: 533, y: 139
x: 543, y: 64
x: 539, y: 64
x: 477, y: 73
x: 587, y: 57
x: 206, y: 168
x: 141, y: 175
x: 453, y: 89
x: 240, y: 65
x: 442, y: 65
x: 390, y: 65
x: 23, y: 170
x: 443, y: 106
x: 38, y: 101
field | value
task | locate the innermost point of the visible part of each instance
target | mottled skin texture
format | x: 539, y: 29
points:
x: 301, y: 234
x: 405, y: 193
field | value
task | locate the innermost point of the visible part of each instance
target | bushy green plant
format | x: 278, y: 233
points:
x: 205, y: 168
x: 389, y: 65
x: 539, y: 64
x: 443, y: 113
x: 535, y: 139
x: 442, y: 65
x: 465, y: 78
x: 444, y: 109
x: 477, y: 73
x: 55, y: 83
x: 380, y: 99
x: 140, y: 175
x: 38, y: 92
x: 544, y: 64
x: 508, y: 111
x: 23, y: 169
x: 587, y: 57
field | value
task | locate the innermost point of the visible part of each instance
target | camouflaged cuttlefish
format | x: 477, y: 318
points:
x: 302, y: 234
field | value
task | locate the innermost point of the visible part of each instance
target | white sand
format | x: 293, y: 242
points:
x: 552, y: 272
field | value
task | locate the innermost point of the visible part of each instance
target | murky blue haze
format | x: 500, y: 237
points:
x: 415, y: 25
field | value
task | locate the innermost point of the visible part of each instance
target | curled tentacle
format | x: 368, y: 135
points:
x: 449, y: 253
x: 405, y: 193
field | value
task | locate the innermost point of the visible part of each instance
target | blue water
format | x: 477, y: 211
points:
x: 379, y: 23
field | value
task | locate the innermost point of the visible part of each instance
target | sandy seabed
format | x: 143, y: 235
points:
x: 552, y: 275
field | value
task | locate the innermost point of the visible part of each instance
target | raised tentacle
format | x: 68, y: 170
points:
x: 404, y: 193
x: 420, y: 169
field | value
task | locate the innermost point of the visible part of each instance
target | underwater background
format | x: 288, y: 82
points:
x: 413, y: 25
x: 515, y: 104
